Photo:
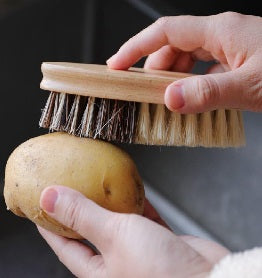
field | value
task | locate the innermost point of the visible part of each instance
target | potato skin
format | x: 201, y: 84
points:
x: 99, y: 170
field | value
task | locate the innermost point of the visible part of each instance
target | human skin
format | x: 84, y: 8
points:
x: 130, y: 245
x: 174, y: 43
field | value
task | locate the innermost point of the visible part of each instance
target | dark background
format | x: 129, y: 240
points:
x: 228, y: 182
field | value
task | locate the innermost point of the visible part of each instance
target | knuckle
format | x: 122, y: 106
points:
x: 227, y: 23
x: 253, y: 96
x: 163, y: 21
x: 73, y: 215
x: 231, y: 16
x: 93, y: 267
x: 116, y: 224
x: 232, y: 21
x: 120, y: 224
x: 63, y: 252
x: 207, y: 90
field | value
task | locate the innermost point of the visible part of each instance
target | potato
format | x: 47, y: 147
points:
x: 99, y: 170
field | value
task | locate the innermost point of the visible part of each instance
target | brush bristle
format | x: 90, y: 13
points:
x: 97, y: 118
x: 191, y: 130
x: 143, y: 128
x: 159, y: 129
x: 141, y: 123
x: 175, y: 135
x: 221, y: 128
x: 206, y: 129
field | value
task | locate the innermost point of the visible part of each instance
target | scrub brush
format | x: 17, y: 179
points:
x: 94, y: 101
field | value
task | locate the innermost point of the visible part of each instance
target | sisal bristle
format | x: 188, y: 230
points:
x: 159, y: 126
x: 143, y: 125
x: 191, y: 130
x: 220, y: 128
x: 242, y: 139
x: 174, y: 132
x: 234, y: 128
x: 206, y: 129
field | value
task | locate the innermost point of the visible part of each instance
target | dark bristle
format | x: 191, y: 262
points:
x: 47, y: 112
x: 110, y: 120
x: 101, y: 118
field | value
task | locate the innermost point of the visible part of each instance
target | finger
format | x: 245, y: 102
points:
x: 162, y: 59
x: 80, y: 214
x: 197, y: 94
x: 151, y: 213
x: 186, y: 33
x: 78, y: 258
x: 184, y: 63
x: 218, y: 68
x: 169, y: 58
x: 212, y: 251
x: 202, y: 55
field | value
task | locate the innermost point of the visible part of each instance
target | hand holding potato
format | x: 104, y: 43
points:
x: 130, y: 245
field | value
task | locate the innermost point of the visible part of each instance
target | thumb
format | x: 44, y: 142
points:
x: 202, y: 93
x: 75, y: 211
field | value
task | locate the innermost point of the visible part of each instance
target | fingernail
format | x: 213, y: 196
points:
x: 48, y: 199
x: 174, y: 96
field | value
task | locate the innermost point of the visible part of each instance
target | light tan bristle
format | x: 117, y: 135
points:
x: 220, y: 128
x: 159, y: 126
x: 234, y: 128
x: 242, y: 139
x: 191, y: 130
x: 174, y: 132
x: 143, y: 125
x: 206, y: 129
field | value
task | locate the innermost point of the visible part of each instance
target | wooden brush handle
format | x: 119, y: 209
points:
x: 134, y: 84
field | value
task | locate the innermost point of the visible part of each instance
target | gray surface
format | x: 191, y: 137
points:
x: 220, y: 188
x: 176, y: 219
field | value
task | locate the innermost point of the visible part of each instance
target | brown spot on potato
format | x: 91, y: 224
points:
x: 140, y: 201
x: 107, y: 190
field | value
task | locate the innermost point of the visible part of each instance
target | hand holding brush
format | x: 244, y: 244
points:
x: 127, y: 104
x: 175, y: 43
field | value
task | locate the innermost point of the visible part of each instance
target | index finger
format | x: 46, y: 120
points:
x: 151, y: 213
x: 77, y: 257
x: 186, y: 33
